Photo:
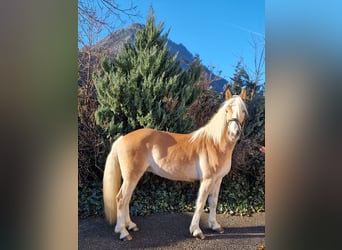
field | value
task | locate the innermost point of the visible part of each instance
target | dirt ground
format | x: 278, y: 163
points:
x: 171, y: 231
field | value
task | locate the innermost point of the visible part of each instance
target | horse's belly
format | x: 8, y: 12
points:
x: 172, y: 172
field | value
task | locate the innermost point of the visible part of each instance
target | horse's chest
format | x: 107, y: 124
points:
x: 215, y: 166
x: 226, y: 166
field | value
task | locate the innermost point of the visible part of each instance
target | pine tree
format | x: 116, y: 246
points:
x: 241, y: 79
x: 145, y: 86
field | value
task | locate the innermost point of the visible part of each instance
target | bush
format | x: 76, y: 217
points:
x: 242, y: 191
x: 90, y: 201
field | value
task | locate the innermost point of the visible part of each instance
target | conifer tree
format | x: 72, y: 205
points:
x: 241, y: 79
x: 144, y: 86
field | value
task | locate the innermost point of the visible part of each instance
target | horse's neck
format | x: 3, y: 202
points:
x: 224, y: 148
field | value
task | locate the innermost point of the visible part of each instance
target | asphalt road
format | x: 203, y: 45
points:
x: 171, y: 231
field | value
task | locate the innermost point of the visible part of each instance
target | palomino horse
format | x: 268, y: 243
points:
x: 203, y: 155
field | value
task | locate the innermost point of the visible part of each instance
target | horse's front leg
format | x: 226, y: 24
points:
x: 205, y: 187
x: 212, y: 200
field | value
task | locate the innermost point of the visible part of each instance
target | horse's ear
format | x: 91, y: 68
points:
x: 228, y: 94
x: 243, y: 94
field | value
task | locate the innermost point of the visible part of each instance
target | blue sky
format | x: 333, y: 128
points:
x: 220, y: 32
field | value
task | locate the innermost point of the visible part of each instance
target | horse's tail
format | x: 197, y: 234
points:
x: 111, y: 183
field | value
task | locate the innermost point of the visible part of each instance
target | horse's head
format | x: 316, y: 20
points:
x: 235, y: 114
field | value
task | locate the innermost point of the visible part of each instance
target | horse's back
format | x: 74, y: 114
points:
x: 147, y: 137
x: 140, y: 143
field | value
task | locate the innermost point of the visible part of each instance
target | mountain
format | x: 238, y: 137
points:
x: 114, y: 43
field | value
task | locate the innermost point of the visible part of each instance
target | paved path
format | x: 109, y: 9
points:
x: 171, y: 231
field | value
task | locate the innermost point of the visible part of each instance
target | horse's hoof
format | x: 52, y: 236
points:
x: 219, y: 230
x: 127, y: 237
x: 134, y: 229
x: 200, y: 236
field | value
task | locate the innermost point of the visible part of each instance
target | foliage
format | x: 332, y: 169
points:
x: 242, y: 191
x: 246, y: 153
x: 91, y: 147
x: 90, y: 201
x: 145, y: 86
x: 237, y: 196
x: 206, y: 104
x: 241, y: 79
x: 90, y: 143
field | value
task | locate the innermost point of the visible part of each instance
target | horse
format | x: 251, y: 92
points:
x: 203, y: 155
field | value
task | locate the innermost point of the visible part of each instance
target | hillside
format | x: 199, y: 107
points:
x: 113, y: 44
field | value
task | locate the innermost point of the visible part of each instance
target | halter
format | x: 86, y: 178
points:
x: 240, y: 126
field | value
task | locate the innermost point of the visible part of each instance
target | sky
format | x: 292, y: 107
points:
x: 221, y: 32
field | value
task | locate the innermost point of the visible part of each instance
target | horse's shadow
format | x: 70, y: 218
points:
x: 159, y: 230
x: 237, y: 232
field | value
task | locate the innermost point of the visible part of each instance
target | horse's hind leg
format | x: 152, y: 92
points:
x: 130, y: 225
x: 123, y: 198
x: 212, y: 200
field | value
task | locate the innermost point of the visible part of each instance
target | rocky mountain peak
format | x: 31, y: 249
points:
x: 114, y: 43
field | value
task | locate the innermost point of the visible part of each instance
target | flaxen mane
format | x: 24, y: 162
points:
x: 214, y: 128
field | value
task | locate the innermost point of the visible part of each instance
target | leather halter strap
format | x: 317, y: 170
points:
x: 240, y: 126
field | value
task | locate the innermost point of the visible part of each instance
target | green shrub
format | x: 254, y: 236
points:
x: 90, y: 201
x: 242, y: 190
